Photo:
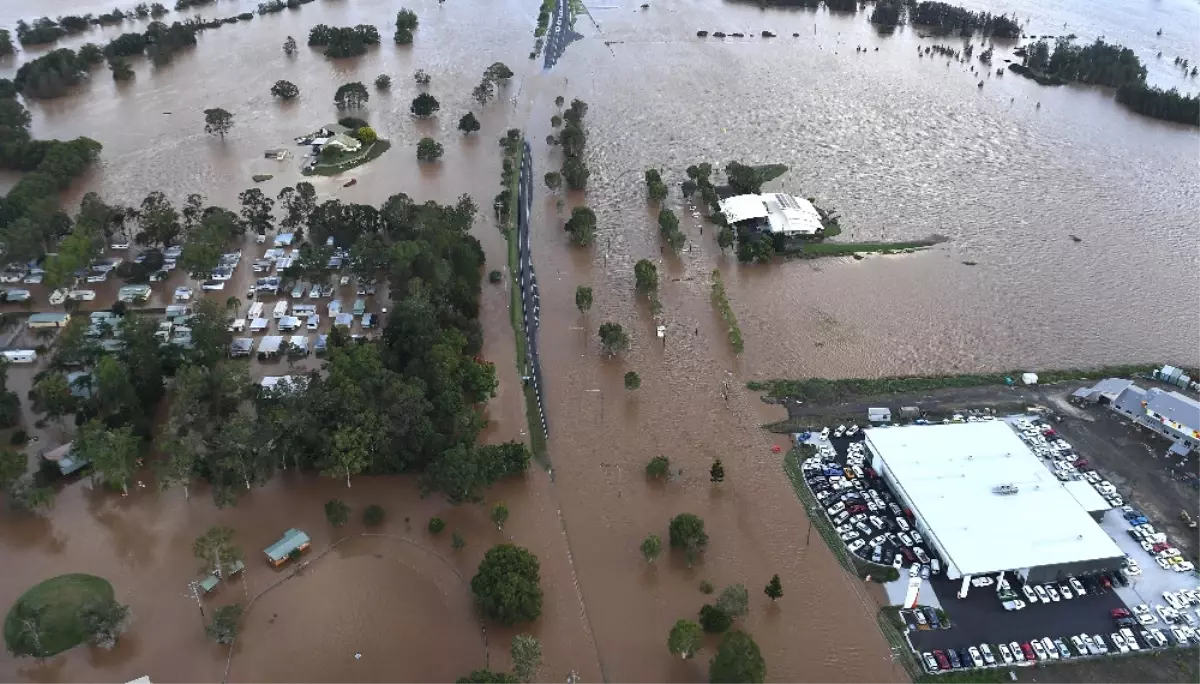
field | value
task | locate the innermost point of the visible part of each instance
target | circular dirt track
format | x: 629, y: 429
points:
x: 403, y: 608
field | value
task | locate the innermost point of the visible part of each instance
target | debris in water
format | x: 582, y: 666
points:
x: 970, y: 263
x: 1075, y: 238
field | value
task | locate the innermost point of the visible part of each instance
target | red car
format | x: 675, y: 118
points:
x: 1106, y: 581
x: 1118, y: 613
x: 1028, y: 651
x: 1081, y: 463
x: 1161, y: 546
x: 908, y: 554
x: 943, y: 662
x: 857, y: 508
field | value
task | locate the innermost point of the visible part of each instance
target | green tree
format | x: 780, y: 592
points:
x: 456, y: 541
x: 217, y: 551
x: 488, y: 677
x: 353, y: 446
x: 553, y: 180
x: 217, y: 121
x: 734, y: 600
x: 424, y: 105
x: 687, y: 533
x: 285, y: 90
x: 421, y: 78
x: 383, y: 81
x: 436, y: 525
x: 224, y: 626
x: 716, y: 473
x: 429, y: 150
x: 632, y: 380
x: 737, y: 660
x: 582, y: 226
x: 668, y: 226
x: 29, y: 630
x: 120, y: 68
x: 52, y: 396
x: 613, y: 338
x: 289, y: 46
x: 714, y: 620
x: 498, y: 71
x: 12, y: 466
x: 725, y: 238
x: 468, y: 123
x: 507, y: 585
x: 658, y: 467
x: 6, y: 44
x: 685, y: 639
x: 257, y: 210
x: 556, y: 121
x: 373, y: 515
x: 500, y: 515
x: 655, y: 188
x: 103, y: 620
x: 645, y: 276
x: 483, y: 92
x: 366, y: 135
x: 526, y: 657
x: 351, y: 95
x: 575, y: 173
x: 774, y: 588
x: 112, y: 453
x: 651, y: 547
x: 26, y: 495
x: 583, y: 298
x: 336, y: 512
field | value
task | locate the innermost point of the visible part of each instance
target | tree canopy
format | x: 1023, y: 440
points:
x: 217, y: 121
x: 687, y: 533
x: 685, y: 639
x: 738, y: 659
x: 429, y: 150
x: 507, y: 585
x: 582, y: 226
x: 351, y: 95
x: 343, y: 41
x: 285, y: 90
x: 468, y: 123
x: 613, y: 338
x: 424, y: 105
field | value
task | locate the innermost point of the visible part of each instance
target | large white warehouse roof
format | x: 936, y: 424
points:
x: 784, y: 213
x: 950, y: 475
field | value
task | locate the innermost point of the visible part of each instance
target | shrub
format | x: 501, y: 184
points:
x: 706, y: 587
x: 494, y: 276
x: 429, y: 150
x: 507, y: 585
x: 336, y: 512
x: 658, y: 467
x: 436, y: 525
x: 19, y: 438
x: 714, y: 620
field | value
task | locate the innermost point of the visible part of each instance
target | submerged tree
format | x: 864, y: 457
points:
x: 583, y: 298
x: 685, y: 639
x: 424, y: 105
x: 651, y: 547
x: 774, y: 588
x: 351, y: 95
x: 217, y: 121
x: 468, y: 123
x: 289, y: 46
x: 285, y: 90
x: 429, y: 150
x: 613, y: 338
x: 526, y: 657
x: 632, y: 380
x: 224, y: 626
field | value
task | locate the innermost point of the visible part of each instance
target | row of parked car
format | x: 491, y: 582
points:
x: 1124, y: 640
x: 1155, y: 543
x: 1062, y: 459
x: 865, y: 514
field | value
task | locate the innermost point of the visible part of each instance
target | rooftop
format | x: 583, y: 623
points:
x: 1174, y: 407
x: 783, y: 213
x: 949, y: 472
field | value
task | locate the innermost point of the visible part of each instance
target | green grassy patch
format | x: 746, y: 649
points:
x: 721, y: 301
x: 769, y: 172
x: 60, y: 599
x: 821, y: 390
x: 815, y: 250
x: 345, y: 162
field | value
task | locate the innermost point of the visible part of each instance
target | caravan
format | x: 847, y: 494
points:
x: 256, y: 310
x: 281, y: 308
x: 20, y: 355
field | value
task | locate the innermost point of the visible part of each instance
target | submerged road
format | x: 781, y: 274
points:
x: 527, y: 279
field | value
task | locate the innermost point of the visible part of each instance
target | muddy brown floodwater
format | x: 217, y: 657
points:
x: 902, y: 147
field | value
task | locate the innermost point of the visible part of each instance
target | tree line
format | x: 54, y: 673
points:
x: 343, y: 41
x: 1168, y: 105
x: 573, y: 140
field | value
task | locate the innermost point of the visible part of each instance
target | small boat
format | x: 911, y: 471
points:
x: 350, y: 182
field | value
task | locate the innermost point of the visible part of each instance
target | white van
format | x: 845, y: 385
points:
x: 256, y: 310
x: 20, y: 355
x: 281, y: 308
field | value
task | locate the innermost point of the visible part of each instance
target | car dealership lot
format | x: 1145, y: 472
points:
x: 1087, y: 623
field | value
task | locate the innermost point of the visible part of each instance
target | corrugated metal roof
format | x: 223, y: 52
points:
x: 1174, y: 406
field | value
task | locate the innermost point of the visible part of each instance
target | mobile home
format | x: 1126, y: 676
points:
x: 281, y: 308
x: 20, y: 355
x: 48, y: 320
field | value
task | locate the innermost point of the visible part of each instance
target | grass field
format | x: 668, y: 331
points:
x: 60, y: 598
x: 820, y: 390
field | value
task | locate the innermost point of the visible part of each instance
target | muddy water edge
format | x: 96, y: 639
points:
x: 902, y: 147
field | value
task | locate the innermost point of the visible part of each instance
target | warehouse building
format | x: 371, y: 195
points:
x: 986, y: 504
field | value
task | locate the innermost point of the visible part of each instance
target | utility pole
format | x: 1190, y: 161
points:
x: 193, y: 587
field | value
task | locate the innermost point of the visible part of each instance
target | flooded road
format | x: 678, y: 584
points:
x: 902, y: 147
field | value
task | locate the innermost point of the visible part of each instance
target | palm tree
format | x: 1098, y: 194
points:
x: 233, y: 304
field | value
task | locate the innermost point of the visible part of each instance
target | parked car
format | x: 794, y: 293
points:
x: 1118, y: 613
x: 211, y: 285
x: 952, y: 656
x: 1029, y: 593
x: 1038, y: 650
x: 1062, y: 648
x: 1005, y: 654
x: 1030, y: 653
x: 987, y: 654
x: 1052, y: 592
x: 931, y: 663
x: 1077, y: 586
x: 976, y: 658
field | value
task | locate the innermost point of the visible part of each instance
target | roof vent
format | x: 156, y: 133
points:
x: 1005, y: 489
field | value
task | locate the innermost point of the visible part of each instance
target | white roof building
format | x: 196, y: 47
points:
x: 987, y: 504
x: 774, y: 213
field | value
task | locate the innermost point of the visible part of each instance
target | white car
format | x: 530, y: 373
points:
x: 898, y: 562
x: 975, y: 657
x: 1039, y: 650
x: 120, y: 245
x: 210, y: 285
x: 1029, y: 593
x: 987, y: 654
x: 1143, y: 614
x: 930, y: 663
x: 1077, y: 586
x: 183, y: 294
x: 1119, y: 642
x: 1185, y: 566
x: 1052, y: 592
x: 1130, y: 640
x: 97, y: 277
x: 81, y: 295
x: 1017, y: 653
x: 1041, y: 593
x: 1132, y: 567
x: 1005, y: 654
x: 1080, y: 648
x: 856, y: 545
x: 1065, y: 591
x: 1051, y: 648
